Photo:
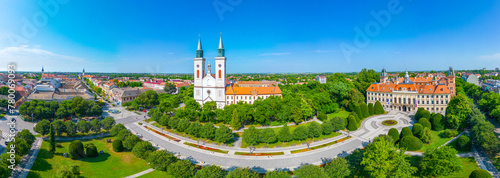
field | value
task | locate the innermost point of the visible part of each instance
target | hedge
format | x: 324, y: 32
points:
x: 411, y: 143
x: 91, y: 150
x: 417, y: 129
x: 76, y: 149
x: 352, y: 125
x: 480, y: 173
x: 394, y: 134
x: 406, y: 132
x: 425, y: 123
x: 117, y: 145
x: 464, y: 143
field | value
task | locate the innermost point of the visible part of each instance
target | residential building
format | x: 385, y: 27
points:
x: 471, y: 79
x: 321, y: 78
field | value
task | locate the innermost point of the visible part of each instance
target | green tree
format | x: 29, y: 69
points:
x: 242, y: 173
x: 480, y: 173
x: 411, y: 143
x: 300, y: 133
x: 406, y: 131
x: 160, y: 160
x: 357, y: 110
x: 417, y: 129
x: 338, y: 168
x: 338, y: 123
x: 235, y: 122
x: 352, y: 124
x: 4, y: 170
x: 251, y: 136
x: 58, y: 126
x: 182, y: 169
x: 194, y: 129
x: 310, y: 171
x: 314, y: 129
x: 183, y: 125
x: 70, y: 128
x: 211, y: 171
x: 458, y: 111
x: 117, y: 145
x: 170, y: 88
x: 52, y: 140
x: 21, y: 146
x: 130, y: 141
x: 437, y: 122
x: 464, y: 143
x: 442, y: 161
x: 425, y: 123
x: 108, y: 123
x: 284, y: 134
x: 426, y: 135
x: 76, y: 150
x: 95, y: 125
x: 394, y: 134
x: 364, y: 110
x: 223, y: 134
x: 42, y: 127
x: 91, y: 150
x: 84, y: 126
x: 327, y: 128
x: 378, y: 108
x: 382, y: 158
x: 26, y: 135
x: 143, y: 149
x: 115, y: 130
x: 268, y: 136
x: 208, y: 131
x: 371, y: 110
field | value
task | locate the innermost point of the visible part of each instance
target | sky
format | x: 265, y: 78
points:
x: 259, y: 36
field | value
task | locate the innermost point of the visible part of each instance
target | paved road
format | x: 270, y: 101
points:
x: 371, y: 128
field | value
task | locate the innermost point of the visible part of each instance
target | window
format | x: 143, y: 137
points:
x: 220, y: 74
x: 197, y: 73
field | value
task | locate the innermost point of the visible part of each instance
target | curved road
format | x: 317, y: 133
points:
x: 370, y: 128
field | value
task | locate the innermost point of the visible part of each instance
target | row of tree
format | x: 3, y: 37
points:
x: 21, y: 144
x: 71, y: 129
x: 41, y: 109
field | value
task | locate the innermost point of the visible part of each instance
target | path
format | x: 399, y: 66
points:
x: 141, y: 173
x: 22, y: 170
x: 79, y: 138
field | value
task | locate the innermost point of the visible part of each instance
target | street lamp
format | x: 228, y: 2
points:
x: 251, y: 148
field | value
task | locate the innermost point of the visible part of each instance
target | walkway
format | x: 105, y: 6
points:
x: 22, y: 170
x: 79, y: 138
x: 141, y: 173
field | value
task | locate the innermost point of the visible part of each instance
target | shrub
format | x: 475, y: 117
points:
x: 322, y: 116
x: 117, y: 145
x: 378, y: 108
x: 437, y: 122
x: 425, y: 123
x: 76, y: 149
x: 371, y: 110
x: 426, y: 135
x: 123, y: 134
x: 463, y: 142
x: 142, y: 149
x: 364, y: 110
x: 449, y: 133
x: 406, y: 132
x: 352, y: 125
x: 411, y: 143
x: 116, y: 129
x: 394, y: 134
x: 480, y: 173
x: 130, y: 142
x: 417, y: 130
x: 91, y: 150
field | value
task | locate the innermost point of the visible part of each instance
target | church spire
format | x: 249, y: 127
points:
x: 208, y: 68
x: 220, y: 50
x: 199, y: 51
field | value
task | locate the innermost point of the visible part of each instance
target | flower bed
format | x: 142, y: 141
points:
x: 206, y: 148
x: 259, y: 154
x: 320, y: 146
x: 389, y: 122
x: 162, y: 134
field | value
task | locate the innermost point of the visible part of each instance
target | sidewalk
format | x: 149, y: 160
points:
x: 22, y: 170
x: 141, y: 173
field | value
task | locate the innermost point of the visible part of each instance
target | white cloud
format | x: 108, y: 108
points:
x: 274, y: 54
x: 490, y: 57
x: 32, y: 59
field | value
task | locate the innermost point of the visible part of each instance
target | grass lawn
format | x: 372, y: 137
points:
x: 287, y: 144
x: 341, y: 113
x: 192, y: 137
x: 436, y: 141
x: 468, y: 165
x: 157, y: 174
x: 110, y: 164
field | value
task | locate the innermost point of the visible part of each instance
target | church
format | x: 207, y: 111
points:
x: 215, y: 87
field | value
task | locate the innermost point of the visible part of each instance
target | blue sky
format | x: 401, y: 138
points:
x: 259, y: 36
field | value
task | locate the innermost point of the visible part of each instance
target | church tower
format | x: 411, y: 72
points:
x: 220, y: 75
x: 199, y: 72
x: 383, y: 76
x: 42, y: 73
x: 83, y: 73
x: 451, y: 81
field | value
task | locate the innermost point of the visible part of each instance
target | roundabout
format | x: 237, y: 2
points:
x: 346, y: 143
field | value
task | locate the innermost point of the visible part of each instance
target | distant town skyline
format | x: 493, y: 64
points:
x: 259, y: 36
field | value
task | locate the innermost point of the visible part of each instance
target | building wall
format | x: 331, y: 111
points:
x: 397, y: 100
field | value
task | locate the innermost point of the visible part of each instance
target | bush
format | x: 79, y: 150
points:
x: 352, y: 125
x: 322, y: 116
x: 480, y: 173
x: 394, y: 134
x: 406, y: 132
x: 130, y: 142
x: 378, y: 108
x: 116, y: 129
x: 142, y: 149
x: 117, y: 145
x: 417, y: 130
x: 371, y: 110
x: 91, y: 150
x: 425, y: 123
x: 464, y: 143
x: 364, y: 110
x: 449, y: 133
x: 437, y: 122
x: 411, y: 143
x: 123, y: 134
x: 76, y: 149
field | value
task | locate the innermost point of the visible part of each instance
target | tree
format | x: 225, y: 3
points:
x: 4, y: 170
x: 95, y: 125
x: 437, y: 122
x: 382, y: 158
x: 26, y: 135
x: 117, y: 145
x: 310, y: 171
x: 160, y: 160
x: 123, y: 134
x: 70, y: 128
x: 277, y: 174
x: 411, y: 143
x: 58, y: 126
x: 425, y: 123
x: 426, y: 135
x: 352, y: 124
x: 76, y: 150
x: 107, y: 123
x: 406, y: 132
x: 442, y: 161
x: 42, y: 127
x: 147, y: 99
x: 242, y: 173
x: 223, y: 134
x: 183, y: 125
x: 91, y: 150
x: 143, y: 149
x: 130, y: 141
x: 211, y: 171
x: 327, y: 128
x: 338, y: 168
x: 21, y: 146
x: 458, y: 111
x: 251, y: 136
x: 268, y: 136
x: 464, y: 143
x: 84, y: 126
x: 480, y: 173
x: 394, y: 134
x: 371, y: 110
x: 378, y: 108
x: 68, y: 171
x: 417, y: 129
x: 194, y: 129
x: 235, y: 122
x: 338, y: 123
x: 170, y: 88
x: 208, y: 131
x: 314, y: 129
x: 116, y: 129
x: 357, y: 110
x: 182, y: 169
x: 284, y: 134
x: 364, y: 110
x: 300, y: 133
x: 52, y: 140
